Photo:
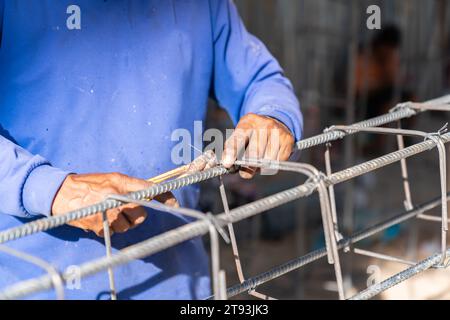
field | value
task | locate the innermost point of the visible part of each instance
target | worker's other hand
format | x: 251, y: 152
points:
x: 203, y: 162
x: 257, y: 137
x: 81, y: 190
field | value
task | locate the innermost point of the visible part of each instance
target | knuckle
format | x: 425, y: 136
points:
x: 113, y: 214
x: 230, y: 142
x: 98, y: 231
x: 290, y: 139
x: 116, y: 176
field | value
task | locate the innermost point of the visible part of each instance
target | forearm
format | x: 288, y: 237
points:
x: 247, y: 78
x: 274, y: 97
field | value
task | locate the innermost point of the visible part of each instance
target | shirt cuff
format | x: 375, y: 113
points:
x: 40, y: 189
x: 284, y: 118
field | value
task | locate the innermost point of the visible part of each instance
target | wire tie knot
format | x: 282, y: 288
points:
x: 400, y: 106
x: 434, y: 136
x: 316, y: 179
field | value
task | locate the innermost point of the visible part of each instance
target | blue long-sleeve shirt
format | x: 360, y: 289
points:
x: 105, y: 96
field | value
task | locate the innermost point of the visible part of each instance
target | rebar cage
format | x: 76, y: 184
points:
x: 221, y: 225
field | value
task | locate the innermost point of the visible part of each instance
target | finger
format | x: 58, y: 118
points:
x: 130, y: 184
x: 273, y: 146
x: 96, y: 224
x: 285, y: 152
x: 212, y: 159
x: 198, y: 164
x: 101, y: 232
x: 168, y: 199
x: 120, y: 224
x: 135, y: 215
x: 247, y: 172
x: 256, y: 145
x: 211, y: 163
x: 254, y: 150
x: 235, y: 145
x: 286, y: 142
x: 92, y: 223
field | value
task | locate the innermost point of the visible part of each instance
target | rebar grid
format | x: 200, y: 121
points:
x: 213, y: 225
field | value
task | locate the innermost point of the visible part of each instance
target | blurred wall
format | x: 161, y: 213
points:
x: 311, y: 38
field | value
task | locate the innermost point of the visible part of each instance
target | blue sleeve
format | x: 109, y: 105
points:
x: 28, y: 183
x: 247, y: 78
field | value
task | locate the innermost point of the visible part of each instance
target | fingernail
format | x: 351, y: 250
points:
x: 245, y: 175
x: 140, y: 220
x: 172, y: 203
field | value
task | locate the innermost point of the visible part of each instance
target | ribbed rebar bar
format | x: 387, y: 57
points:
x: 55, y: 278
x: 198, y: 228
x: 163, y: 241
x: 329, y: 136
x: 155, y: 190
x: 401, y: 111
x: 299, y: 262
x: 399, y: 277
x: 383, y: 161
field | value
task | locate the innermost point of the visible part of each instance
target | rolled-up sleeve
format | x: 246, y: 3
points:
x: 247, y: 78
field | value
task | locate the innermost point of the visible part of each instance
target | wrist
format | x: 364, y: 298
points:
x: 40, y: 189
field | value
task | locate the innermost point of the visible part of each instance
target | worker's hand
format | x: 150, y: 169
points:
x: 203, y: 162
x: 258, y: 137
x: 81, y: 190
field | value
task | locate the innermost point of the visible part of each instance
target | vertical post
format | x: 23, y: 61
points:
x: 215, y: 261
x: 223, y: 285
x: 443, y: 177
x: 348, y: 218
x: 405, y: 179
x: 411, y: 249
x: 234, y: 246
x: 331, y: 193
x: 336, y: 236
x: 107, y: 235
